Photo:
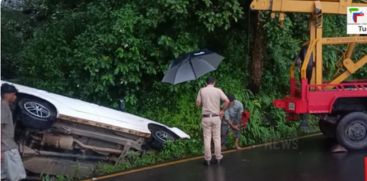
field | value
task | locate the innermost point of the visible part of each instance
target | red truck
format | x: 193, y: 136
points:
x: 341, y: 105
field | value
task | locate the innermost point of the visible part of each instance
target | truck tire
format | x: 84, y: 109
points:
x: 327, y: 129
x: 35, y: 113
x: 352, y: 131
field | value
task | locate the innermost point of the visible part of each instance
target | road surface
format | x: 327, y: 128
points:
x: 306, y: 159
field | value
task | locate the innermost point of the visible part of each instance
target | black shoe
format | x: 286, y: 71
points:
x: 206, y: 163
x: 217, y: 161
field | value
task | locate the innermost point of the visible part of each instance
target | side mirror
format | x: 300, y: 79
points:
x: 122, y: 105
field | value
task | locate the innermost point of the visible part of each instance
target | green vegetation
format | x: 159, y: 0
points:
x: 101, y: 51
x: 53, y: 178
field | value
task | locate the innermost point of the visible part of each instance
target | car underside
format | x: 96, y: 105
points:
x: 66, y: 145
x: 58, y: 135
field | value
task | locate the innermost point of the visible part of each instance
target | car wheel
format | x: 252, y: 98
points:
x: 352, y: 131
x: 327, y: 129
x: 160, y: 135
x: 36, y: 113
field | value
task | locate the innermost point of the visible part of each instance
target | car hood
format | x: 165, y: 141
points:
x: 90, y: 113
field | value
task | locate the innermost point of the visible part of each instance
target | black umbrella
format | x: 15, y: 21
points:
x: 192, y: 66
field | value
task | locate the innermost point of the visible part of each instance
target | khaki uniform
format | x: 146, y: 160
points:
x: 210, y: 98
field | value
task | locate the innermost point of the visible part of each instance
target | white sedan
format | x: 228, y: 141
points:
x: 58, y: 129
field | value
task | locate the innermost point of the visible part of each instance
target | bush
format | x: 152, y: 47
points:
x: 101, y: 51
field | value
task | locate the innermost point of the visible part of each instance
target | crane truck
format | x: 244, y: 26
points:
x: 339, y: 103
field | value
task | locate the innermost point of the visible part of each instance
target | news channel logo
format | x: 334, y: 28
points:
x: 356, y: 20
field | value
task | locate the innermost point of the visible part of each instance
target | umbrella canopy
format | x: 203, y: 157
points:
x: 191, y: 66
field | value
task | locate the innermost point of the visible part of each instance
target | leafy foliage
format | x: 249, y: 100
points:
x: 101, y: 51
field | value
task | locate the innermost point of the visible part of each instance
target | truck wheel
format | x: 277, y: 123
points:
x: 352, y: 131
x: 36, y: 113
x: 327, y: 129
x: 159, y: 136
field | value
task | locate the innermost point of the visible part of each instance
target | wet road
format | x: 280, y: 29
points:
x: 305, y: 159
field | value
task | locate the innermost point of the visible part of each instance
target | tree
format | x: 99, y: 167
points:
x: 258, y: 52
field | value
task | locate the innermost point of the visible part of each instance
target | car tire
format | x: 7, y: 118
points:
x: 352, y: 131
x: 159, y: 136
x: 35, y: 113
x: 327, y: 129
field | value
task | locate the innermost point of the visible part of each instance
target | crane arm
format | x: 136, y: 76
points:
x: 304, y: 6
x: 316, y: 8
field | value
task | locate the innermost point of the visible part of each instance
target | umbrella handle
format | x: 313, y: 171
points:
x: 193, y: 70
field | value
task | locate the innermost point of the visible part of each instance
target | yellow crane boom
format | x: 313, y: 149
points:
x: 304, y: 6
x: 316, y: 9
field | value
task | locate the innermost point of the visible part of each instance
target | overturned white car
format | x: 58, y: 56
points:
x: 57, y: 132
